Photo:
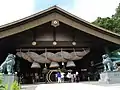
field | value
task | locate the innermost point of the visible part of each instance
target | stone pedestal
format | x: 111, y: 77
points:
x: 9, y: 79
x: 110, y: 77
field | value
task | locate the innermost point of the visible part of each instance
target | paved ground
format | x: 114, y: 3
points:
x: 101, y: 84
x: 28, y: 87
x: 72, y: 86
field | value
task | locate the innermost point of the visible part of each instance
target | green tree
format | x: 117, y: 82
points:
x: 117, y: 14
x: 110, y: 23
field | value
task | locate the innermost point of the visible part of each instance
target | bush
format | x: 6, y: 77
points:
x: 15, y: 86
x: 2, y: 86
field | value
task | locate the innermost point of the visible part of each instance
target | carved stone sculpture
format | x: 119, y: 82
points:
x: 112, y: 76
x: 8, y: 64
x: 108, y: 64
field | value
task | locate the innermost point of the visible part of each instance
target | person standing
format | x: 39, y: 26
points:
x: 74, y: 76
x: 77, y: 77
x: 62, y: 76
x: 36, y: 77
x: 59, y: 77
x: 56, y: 79
x: 69, y: 76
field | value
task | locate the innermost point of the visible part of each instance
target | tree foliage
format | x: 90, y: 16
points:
x: 110, y: 23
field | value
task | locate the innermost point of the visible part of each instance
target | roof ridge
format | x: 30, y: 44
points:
x: 61, y: 10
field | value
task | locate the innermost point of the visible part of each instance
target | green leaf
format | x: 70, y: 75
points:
x: 15, y: 86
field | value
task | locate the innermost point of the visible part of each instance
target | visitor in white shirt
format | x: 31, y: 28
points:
x: 69, y: 76
x: 62, y: 76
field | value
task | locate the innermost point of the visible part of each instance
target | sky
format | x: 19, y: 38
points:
x: 89, y: 10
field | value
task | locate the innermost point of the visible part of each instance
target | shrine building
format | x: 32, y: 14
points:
x: 53, y: 39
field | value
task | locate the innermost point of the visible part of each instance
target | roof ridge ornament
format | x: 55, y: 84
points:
x: 55, y: 23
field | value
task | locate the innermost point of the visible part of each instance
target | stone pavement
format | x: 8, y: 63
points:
x: 72, y: 86
x: 28, y: 87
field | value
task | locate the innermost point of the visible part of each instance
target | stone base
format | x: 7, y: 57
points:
x: 9, y: 79
x: 110, y: 77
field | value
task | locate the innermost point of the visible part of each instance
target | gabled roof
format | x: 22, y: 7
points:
x: 56, y: 12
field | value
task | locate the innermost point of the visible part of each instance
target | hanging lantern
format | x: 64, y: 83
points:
x: 70, y: 64
x: 54, y: 65
x: 34, y: 43
x: 73, y: 43
x: 63, y: 63
x: 54, y: 43
x: 35, y: 65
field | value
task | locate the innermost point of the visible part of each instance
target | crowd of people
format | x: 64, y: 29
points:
x: 72, y: 77
x: 60, y: 77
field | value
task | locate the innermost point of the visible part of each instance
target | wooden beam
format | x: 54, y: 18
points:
x: 59, y: 44
x: 51, y: 49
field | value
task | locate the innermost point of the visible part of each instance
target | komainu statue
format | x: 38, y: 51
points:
x: 8, y: 64
x: 108, y: 64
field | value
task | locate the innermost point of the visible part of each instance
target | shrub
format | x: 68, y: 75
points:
x: 2, y: 86
x: 15, y: 86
